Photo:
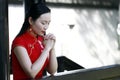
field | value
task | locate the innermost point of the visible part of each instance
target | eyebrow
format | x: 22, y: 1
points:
x: 46, y: 21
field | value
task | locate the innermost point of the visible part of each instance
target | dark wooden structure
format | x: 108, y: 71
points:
x: 111, y: 72
x: 65, y: 64
x: 75, y: 3
x: 4, y: 41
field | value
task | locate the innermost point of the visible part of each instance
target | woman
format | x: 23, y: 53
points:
x: 32, y: 50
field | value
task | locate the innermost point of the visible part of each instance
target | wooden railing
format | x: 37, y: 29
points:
x: 111, y: 72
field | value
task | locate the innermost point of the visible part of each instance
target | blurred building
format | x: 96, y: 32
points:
x: 86, y: 30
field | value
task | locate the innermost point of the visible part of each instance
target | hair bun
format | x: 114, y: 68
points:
x: 40, y: 2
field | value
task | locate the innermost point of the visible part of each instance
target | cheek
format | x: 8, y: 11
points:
x: 38, y: 26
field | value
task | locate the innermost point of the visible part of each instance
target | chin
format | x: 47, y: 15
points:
x: 41, y: 34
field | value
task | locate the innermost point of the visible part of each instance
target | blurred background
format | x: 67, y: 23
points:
x: 87, y: 31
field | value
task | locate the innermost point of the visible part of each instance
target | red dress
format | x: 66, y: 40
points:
x: 34, y: 50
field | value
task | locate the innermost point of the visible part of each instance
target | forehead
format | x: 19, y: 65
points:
x: 45, y: 16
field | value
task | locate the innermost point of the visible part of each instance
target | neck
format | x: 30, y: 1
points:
x: 33, y: 33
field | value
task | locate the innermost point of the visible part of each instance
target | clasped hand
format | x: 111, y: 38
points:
x: 49, y: 41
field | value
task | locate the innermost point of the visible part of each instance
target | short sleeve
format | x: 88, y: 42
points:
x: 19, y: 41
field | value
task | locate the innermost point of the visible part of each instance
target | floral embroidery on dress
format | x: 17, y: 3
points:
x: 33, y: 45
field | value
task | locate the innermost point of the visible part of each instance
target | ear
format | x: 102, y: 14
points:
x: 30, y: 20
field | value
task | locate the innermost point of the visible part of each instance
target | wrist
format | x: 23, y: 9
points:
x: 47, y: 49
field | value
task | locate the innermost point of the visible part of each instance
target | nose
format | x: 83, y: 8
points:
x: 46, y: 27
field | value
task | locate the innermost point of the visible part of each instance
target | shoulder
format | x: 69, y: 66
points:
x: 19, y: 41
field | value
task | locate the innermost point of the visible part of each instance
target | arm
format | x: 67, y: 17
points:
x: 26, y: 64
x: 53, y: 65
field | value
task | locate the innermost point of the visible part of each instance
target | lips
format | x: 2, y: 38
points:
x: 43, y: 33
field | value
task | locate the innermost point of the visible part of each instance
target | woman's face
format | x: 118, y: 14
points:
x: 40, y: 25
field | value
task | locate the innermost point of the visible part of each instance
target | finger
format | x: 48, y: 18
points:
x: 49, y: 36
x: 46, y: 36
x: 53, y: 38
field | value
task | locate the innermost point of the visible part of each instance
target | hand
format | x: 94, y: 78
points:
x: 49, y: 44
x: 50, y: 36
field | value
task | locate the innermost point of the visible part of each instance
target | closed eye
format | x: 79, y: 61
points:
x: 43, y: 23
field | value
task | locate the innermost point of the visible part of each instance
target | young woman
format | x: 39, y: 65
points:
x: 32, y: 50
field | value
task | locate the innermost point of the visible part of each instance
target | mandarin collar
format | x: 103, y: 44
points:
x: 41, y: 38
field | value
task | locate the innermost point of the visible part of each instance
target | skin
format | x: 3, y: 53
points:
x: 39, y: 27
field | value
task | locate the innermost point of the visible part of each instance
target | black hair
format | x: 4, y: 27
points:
x: 35, y: 11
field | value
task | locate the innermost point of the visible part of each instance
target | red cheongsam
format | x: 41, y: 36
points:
x: 34, y: 48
